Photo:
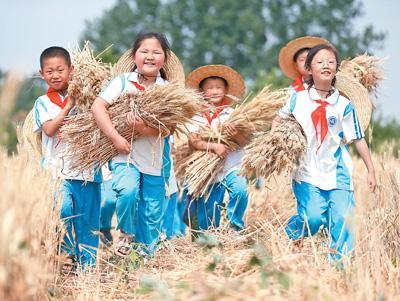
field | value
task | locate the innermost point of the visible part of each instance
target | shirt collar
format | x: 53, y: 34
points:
x: 332, y: 99
x: 133, y: 76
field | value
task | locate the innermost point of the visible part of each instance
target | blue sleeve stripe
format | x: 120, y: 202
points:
x: 36, y: 118
x: 359, y: 126
x: 38, y: 104
x: 293, y: 102
x: 356, y: 126
x: 122, y: 78
x: 348, y: 109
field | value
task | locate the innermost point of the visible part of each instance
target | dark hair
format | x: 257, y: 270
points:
x: 201, y: 84
x: 161, y: 38
x: 313, y: 51
x: 300, y: 51
x: 55, y: 51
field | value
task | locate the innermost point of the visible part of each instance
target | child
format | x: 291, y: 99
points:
x: 140, y: 184
x: 219, y: 84
x: 81, y: 201
x: 292, y: 58
x: 323, y: 185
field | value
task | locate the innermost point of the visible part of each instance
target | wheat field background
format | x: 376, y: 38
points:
x: 260, y: 264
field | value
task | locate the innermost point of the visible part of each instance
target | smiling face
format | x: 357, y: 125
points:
x: 214, y: 90
x: 56, y: 73
x: 149, y: 57
x: 324, y: 66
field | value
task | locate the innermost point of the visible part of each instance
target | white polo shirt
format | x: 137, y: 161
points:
x: 54, y: 148
x: 330, y: 166
x: 234, y: 158
x: 147, y: 152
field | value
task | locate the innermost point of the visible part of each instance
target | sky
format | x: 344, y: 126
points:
x: 29, y: 26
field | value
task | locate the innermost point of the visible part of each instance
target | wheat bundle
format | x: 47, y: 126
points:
x: 256, y: 115
x: 366, y: 69
x: 89, y: 77
x: 275, y: 151
x: 180, y: 155
x: 161, y: 107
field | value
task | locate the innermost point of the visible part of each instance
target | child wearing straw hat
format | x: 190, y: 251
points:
x: 221, y: 85
x: 292, y: 58
x: 323, y: 184
x: 141, y: 172
x: 80, y: 192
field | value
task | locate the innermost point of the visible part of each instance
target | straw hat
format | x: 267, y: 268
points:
x: 236, y: 87
x: 358, y: 95
x: 173, y: 67
x: 287, y: 53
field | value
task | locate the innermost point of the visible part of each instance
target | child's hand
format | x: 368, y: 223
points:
x: 70, y: 103
x: 371, y: 181
x: 122, y: 145
x: 136, y: 122
x: 230, y: 130
x: 221, y: 150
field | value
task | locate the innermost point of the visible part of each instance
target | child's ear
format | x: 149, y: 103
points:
x: 41, y: 73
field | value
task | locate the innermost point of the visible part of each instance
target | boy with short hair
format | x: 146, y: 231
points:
x: 80, y: 194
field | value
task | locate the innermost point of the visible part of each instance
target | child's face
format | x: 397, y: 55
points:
x: 149, y: 57
x: 56, y: 73
x: 323, y: 66
x: 300, y: 64
x: 214, y: 90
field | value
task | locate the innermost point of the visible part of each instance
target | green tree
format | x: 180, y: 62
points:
x: 245, y: 35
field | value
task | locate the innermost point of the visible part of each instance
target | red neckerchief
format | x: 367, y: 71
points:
x: 138, y: 86
x: 298, y: 84
x: 318, y: 117
x: 55, y: 98
x: 218, y: 110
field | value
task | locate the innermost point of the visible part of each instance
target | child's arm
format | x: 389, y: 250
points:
x: 197, y: 143
x: 362, y: 149
x: 99, y: 109
x: 140, y: 126
x: 51, y: 127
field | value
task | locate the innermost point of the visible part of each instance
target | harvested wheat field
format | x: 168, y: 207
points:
x: 259, y: 264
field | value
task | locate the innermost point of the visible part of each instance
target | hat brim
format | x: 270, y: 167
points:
x: 236, y: 86
x: 173, y: 67
x: 358, y: 95
x: 287, y: 53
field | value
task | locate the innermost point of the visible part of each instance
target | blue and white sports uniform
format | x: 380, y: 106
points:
x: 140, y: 185
x: 323, y: 184
x: 80, y: 208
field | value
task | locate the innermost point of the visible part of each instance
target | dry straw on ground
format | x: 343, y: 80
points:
x: 161, y: 107
x: 202, y: 167
x: 262, y: 263
x: 279, y: 150
x: 89, y: 77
